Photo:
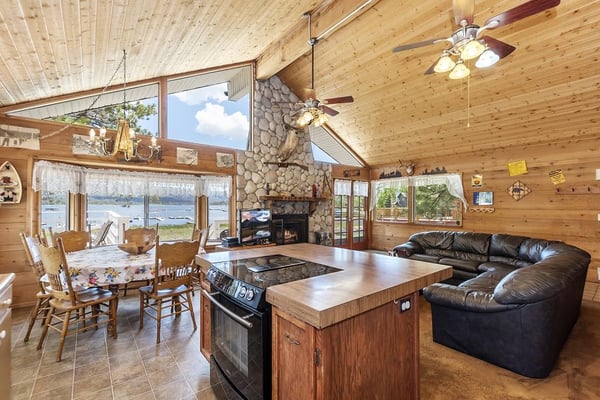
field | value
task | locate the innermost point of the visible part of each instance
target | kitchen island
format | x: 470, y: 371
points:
x: 351, y: 334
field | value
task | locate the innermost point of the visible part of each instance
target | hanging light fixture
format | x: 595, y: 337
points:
x: 126, y: 140
x: 459, y: 71
x: 487, y: 59
x: 445, y: 63
x: 471, y: 50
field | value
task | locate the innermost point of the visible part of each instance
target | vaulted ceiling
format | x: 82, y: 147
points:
x: 547, y: 89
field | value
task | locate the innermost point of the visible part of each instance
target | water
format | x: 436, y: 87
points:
x: 163, y: 214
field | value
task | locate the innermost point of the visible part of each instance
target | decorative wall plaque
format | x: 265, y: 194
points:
x: 518, y: 190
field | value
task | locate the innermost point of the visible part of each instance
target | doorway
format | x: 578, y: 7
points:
x: 350, y: 214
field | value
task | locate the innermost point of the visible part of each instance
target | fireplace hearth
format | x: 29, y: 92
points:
x: 290, y: 228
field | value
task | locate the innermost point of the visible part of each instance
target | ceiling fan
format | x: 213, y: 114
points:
x: 467, y: 42
x: 314, y: 111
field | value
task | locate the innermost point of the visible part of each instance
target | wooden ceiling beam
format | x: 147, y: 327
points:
x: 293, y: 45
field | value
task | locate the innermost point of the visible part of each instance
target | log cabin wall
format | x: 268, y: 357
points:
x: 572, y: 218
x: 56, y: 145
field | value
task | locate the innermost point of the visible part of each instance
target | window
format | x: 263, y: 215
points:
x: 54, y: 211
x: 174, y: 215
x: 428, y: 200
x: 104, y: 109
x: 211, y: 108
x: 327, y: 148
x: 218, y: 217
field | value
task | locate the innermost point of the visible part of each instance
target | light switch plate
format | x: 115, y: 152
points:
x: 599, y: 274
x: 598, y: 174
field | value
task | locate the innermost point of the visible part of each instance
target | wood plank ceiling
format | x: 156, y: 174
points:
x: 547, y: 89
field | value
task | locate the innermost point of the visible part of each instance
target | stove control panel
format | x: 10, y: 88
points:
x: 238, y: 290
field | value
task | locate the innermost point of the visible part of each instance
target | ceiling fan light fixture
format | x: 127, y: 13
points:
x: 487, y: 59
x: 472, y: 49
x: 444, y: 64
x: 460, y: 71
x: 320, y: 120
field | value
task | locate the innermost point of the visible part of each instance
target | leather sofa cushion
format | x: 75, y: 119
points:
x: 467, y: 265
x: 507, y: 246
x: 434, y: 239
x: 505, y: 268
x: 515, y: 262
x: 425, y: 257
x: 472, y: 242
x: 485, y: 282
x: 531, y: 249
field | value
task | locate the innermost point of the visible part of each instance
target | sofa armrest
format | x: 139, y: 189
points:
x: 464, y: 298
x: 407, y: 249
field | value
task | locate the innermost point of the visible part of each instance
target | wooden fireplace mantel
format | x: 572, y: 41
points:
x: 312, y: 206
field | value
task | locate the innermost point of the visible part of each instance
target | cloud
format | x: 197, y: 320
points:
x: 198, y: 96
x: 212, y: 120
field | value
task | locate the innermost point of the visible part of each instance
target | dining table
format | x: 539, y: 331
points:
x: 109, y: 266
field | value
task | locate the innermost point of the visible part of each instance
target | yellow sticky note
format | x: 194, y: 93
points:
x: 517, y: 168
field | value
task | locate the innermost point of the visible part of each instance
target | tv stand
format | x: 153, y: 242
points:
x: 244, y: 247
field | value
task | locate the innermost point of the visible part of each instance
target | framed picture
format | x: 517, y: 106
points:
x: 483, y: 198
x: 187, y: 156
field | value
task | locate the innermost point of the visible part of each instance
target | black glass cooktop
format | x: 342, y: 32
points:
x: 271, y: 270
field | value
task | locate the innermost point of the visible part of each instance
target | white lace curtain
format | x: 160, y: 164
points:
x: 343, y: 187
x: 64, y: 178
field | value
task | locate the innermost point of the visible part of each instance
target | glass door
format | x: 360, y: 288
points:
x: 350, y: 214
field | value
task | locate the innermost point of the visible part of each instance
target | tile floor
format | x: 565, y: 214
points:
x: 132, y: 366
x: 96, y: 366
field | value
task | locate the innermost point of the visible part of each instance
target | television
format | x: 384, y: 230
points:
x: 254, y: 226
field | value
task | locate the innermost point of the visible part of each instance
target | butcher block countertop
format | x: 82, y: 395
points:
x: 367, y: 280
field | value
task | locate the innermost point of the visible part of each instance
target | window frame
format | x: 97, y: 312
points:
x: 412, y: 184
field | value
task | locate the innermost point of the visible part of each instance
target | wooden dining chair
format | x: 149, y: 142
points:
x: 202, y: 236
x: 69, y: 313
x: 42, y: 297
x: 73, y: 240
x: 170, y: 292
x: 141, y: 236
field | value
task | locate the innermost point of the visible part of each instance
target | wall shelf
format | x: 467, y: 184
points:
x: 11, y: 189
x: 312, y: 206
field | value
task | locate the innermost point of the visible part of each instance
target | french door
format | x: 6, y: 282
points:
x: 350, y: 214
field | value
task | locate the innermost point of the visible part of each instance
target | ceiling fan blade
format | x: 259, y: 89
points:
x: 463, y: 11
x: 519, y: 12
x: 418, y: 44
x: 338, y: 100
x: 329, y: 111
x: 430, y: 69
x: 499, y: 47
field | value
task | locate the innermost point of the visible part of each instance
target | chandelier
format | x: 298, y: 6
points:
x: 126, y: 139
x: 466, y: 47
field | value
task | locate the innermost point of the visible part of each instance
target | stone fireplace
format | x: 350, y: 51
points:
x: 260, y: 172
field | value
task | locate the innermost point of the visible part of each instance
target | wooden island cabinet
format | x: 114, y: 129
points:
x: 374, y: 355
x: 204, y: 317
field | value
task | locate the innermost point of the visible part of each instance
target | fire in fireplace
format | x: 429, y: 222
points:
x: 290, y: 228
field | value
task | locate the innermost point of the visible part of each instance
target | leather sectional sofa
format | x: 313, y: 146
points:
x: 512, y: 301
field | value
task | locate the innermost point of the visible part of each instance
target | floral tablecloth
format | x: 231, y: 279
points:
x: 108, y: 265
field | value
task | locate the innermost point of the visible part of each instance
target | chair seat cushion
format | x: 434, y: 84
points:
x: 149, y: 291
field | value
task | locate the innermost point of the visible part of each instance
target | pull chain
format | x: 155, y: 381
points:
x: 469, y: 101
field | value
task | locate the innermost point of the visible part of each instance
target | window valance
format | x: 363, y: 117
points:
x: 64, y: 178
x: 452, y: 181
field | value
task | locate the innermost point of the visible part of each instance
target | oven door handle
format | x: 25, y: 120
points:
x: 227, y: 311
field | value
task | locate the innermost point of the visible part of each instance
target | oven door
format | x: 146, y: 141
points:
x: 240, y: 346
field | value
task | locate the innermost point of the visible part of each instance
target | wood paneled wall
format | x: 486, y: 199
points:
x: 541, y: 214
x: 57, y: 145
